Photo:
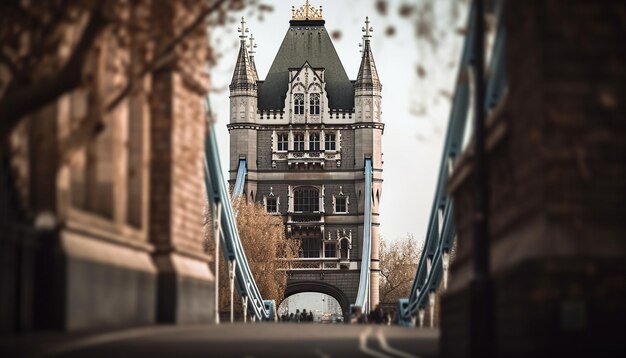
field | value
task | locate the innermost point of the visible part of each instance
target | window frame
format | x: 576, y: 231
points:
x: 275, y: 204
x: 345, y: 204
x: 314, y: 141
x: 312, y: 247
x: 308, y: 203
x: 298, y: 141
x: 284, y: 143
x: 314, y: 103
x: 298, y: 103
x: 327, y: 142
x: 327, y: 246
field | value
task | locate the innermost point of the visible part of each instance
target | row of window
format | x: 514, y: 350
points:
x: 307, y: 200
x: 314, y: 103
x: 330, y: 141
x: 311, y: 248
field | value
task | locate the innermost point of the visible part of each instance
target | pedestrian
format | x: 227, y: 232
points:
x: 298, y: 315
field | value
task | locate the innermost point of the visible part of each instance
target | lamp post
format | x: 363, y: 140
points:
x: 231, y: 275
x: 480, y: 287
x: 217, y: 211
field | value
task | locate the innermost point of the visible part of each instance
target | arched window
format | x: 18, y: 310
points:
x: 298, y: 103
x: 306, y: 200
x: 314, y: 103
x: 343, y: 248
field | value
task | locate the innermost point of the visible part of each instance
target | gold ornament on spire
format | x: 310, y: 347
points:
x: 306, y: 12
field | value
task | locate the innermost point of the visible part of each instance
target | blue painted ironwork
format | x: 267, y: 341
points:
x: 229, y: 236
x: 362, y: 297
x: 242, y: 171
x: 441, y: 231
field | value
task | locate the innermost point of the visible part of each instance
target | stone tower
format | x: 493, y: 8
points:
x: 305, y: 132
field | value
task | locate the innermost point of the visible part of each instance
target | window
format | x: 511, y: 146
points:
x: 282, y: 141
x: 340, y: 204
x: 330, y: 249
x: 314, y: 103
x: 329, y: 141
x: 314, y: 141
x: 298, y: 103
x: 306, y: 200
x: 298, y: 141
x: 271, y: 205
x: 344, y: 246
x: 311, y: 247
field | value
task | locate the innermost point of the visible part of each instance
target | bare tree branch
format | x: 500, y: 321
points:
x: 24, y: 99
x: 163, y: 54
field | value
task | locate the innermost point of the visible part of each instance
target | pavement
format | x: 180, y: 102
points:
x: 231, y: 340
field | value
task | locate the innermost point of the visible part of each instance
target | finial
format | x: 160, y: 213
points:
x: 242, y: 30
x: 367, y: 29
x: 306, y: 12
x: 251, y: 45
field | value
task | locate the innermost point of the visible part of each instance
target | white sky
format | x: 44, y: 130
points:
x: 412, y: 143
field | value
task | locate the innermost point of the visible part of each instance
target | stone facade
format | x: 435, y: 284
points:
x: 113, y: 236
x: 305, y: 132
x: 556, y: 163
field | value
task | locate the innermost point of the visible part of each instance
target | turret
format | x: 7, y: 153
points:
x: 368, y: 136
x: 243, y: 110
x: 367, y: 82
x: 243, y: 86
x: 251, y: 52
x: 367, y: 87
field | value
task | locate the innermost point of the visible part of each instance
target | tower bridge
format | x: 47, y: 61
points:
x: 308, y: 164
x: 539, y: 269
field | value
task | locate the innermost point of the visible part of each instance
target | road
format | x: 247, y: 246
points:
x: 239, y: 340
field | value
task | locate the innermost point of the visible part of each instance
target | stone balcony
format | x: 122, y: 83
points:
x: 306, y: 158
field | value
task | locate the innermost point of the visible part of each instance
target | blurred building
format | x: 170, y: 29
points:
x: 556, y: 148
x: 111, y: 234
x: 304, y: 133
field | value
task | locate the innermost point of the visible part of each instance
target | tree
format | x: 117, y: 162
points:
x: 267, y: 250
x: 398, y: 264
x: 46, y: 48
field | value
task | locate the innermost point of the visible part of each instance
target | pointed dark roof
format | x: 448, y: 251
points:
x: 256, y: 74
x: 368, y: 76
x: 244, y: 75
x: 306, y: 41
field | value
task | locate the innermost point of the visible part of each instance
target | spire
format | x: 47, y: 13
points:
x: 251, y: 52
x: 244, y: 76
x: 367, y: 79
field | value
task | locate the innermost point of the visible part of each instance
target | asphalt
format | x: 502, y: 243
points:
x: 232, y: 340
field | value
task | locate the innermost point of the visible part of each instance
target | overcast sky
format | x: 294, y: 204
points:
x: 414, y: 111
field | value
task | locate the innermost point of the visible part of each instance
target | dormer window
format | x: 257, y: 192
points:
x: 298, y: 103
x: 314, y: 102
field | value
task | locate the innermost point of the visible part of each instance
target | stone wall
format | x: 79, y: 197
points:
x: 124, y: 242
x: 557, y: 186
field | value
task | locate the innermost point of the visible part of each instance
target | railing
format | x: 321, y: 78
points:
x: 441, y: 232
x: 232, y: 249
x: 316, y: 263
x: 242, y: 170
x: 362, y: 296
x: 310, y: 156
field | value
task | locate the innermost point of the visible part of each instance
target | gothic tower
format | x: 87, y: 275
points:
x: 305, y: 132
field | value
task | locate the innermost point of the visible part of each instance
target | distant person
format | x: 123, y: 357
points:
x: 310, y: 318
x: 292, y: 318
x: 303, y: 316
x: 298, y: 315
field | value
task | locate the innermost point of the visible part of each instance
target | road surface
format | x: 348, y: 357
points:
x: 236, y: 340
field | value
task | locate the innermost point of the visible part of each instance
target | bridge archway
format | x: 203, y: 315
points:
x: 320, y: 287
